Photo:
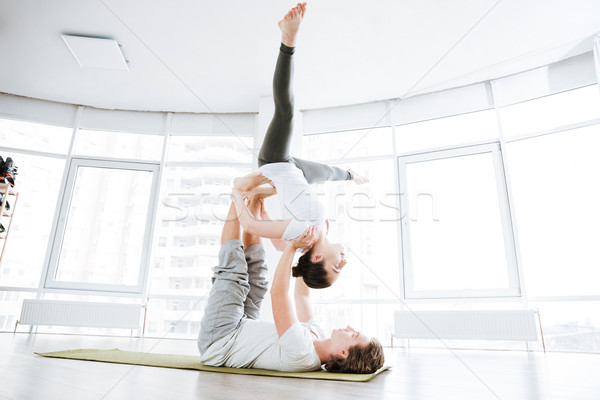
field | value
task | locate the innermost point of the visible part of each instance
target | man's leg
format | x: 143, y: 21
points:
x: 257, y: 268
x: 225, y: 306
x: 276, y: 145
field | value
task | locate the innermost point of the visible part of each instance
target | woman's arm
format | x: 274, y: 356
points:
x: 279, y: 244
x: 304, y: 309
x: 283, y: 311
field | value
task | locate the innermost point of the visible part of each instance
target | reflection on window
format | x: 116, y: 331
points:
x: 348, y: 144
x: 436, y: 133
x: 551, y: 111
x: 556, y: 194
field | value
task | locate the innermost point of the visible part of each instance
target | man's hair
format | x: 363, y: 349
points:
x: 313, y: 274
x: 360, y: 360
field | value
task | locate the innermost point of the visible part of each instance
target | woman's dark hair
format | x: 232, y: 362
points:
x: 313, y: 274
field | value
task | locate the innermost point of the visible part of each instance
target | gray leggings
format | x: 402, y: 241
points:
x: 276, y: 146
x: 239, y: 286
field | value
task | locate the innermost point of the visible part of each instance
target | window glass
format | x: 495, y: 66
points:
x: 458, y: 129
x: 211, y: 148
x: 348, y: 144
x: 38, y: 184
x: 551, y: 111
x: 192, y: 208
x: 32, y: 136
x: 177, y: 318
x: 556, y: 196
x: 456, y: 234
x: 364, y: 219
x: 572, y: 326
x: 106, y: 222
x: 135, y: 146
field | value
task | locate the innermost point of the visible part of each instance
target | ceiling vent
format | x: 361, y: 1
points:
x: 93, y: 52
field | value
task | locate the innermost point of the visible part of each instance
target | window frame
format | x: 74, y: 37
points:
x: 407, y: 272
x: 58, y: 234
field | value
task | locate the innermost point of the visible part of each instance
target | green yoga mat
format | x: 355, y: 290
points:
x: 193, y: 362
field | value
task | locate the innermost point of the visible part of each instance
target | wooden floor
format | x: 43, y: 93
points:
x: 417, y: 374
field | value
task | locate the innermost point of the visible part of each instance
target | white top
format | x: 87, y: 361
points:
x: 297, y: 198
x: 255, y: 344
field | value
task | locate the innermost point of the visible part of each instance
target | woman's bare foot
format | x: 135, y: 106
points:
x: 290, y: 24
x: 248, y: 182
x: 261, y: 192
x: 357, y: 178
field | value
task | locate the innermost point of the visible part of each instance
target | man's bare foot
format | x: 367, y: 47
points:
x: 290, y: 24
x: 357, y: 178
x: 248, y: 182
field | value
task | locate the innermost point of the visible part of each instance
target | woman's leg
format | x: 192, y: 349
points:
x: 315, y: 172
x: 276, y: 145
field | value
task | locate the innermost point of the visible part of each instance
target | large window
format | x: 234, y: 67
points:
x: 34, y: 136
x: 193, y: 204
x: 549, y: 112
x: 119, y: 145
x: 348, y: 144
x: 364, y: 219
x: 492, y: 209
x: 554, y: 183
x: 456, y: 230
x: 38, y: 184
x: 441, y: 132
x: 102, y: 238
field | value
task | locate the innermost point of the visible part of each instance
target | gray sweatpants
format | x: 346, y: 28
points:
x: 276, y: 146
x: 239, y: 286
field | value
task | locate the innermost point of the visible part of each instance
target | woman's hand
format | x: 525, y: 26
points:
x: 306, y: 240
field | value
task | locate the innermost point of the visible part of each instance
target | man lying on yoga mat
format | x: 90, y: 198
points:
x: 292, y: 177
x: 231, y: 334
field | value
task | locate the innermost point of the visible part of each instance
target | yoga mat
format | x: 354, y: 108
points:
x: 193, y: 362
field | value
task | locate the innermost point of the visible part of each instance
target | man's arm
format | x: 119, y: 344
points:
x: 283, y: 311
x: 304, y: 309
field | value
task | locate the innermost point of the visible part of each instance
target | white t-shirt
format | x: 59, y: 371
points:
x: 255, y: 344
x: 297, y: 198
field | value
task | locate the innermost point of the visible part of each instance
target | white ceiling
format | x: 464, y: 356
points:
x: 218, y: 56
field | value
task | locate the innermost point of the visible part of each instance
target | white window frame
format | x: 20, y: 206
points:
x: 507, y: 228
x: 59, y: 231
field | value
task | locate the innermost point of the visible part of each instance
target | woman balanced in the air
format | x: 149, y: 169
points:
x: 292, y: 177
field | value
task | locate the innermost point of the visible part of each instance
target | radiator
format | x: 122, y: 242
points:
x: 76, y: 313
x: 489, y: 325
